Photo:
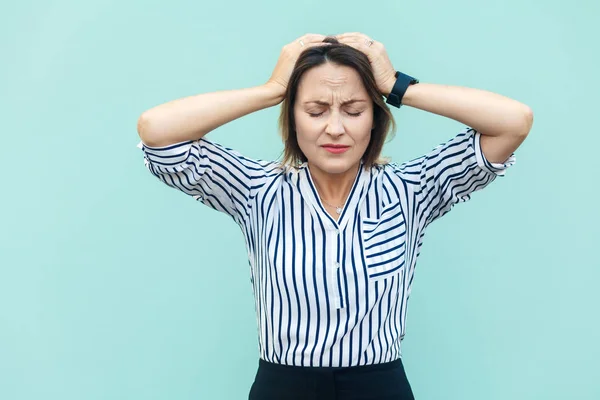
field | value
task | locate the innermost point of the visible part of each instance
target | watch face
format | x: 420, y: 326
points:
x: 412, y: 80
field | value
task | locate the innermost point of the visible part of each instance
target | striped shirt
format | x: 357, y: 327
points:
x: 329, y: 293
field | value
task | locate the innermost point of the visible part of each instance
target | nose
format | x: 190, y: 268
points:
x: 335, y: 126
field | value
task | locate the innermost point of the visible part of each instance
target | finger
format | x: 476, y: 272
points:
x: 353, y: 35
x: 302, y: 48
x: 354, y: 42
x: 361, y: 44
x: 345, y: 34
x: 306, y: 40
x: 347, y: 38
x: 311, y: 38
x: 357, y: 38
x: 316, y: 44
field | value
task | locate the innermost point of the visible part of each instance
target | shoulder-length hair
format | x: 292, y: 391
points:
x: 339, y: 54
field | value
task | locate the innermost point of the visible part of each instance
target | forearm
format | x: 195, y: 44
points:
x: 489, y: 113
x: 191, y: 118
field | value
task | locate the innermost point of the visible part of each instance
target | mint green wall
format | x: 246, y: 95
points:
x: 114, y: 286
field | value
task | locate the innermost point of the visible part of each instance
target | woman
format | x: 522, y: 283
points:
x: 333, y: 232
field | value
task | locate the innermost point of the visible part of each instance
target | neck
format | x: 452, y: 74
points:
x: 333, y: 188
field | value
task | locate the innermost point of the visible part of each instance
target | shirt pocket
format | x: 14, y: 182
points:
x: 384, y: 243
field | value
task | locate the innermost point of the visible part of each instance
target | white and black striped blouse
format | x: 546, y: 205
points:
x: 329, y: 293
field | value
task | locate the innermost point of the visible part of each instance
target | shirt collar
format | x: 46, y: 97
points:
x: 303, y: 181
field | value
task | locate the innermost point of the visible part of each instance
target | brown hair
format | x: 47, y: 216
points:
x: 339, y: 54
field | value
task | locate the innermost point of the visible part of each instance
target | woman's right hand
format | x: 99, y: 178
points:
x: 287, y: 60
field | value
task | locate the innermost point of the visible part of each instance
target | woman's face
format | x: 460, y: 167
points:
x: 334, y: 117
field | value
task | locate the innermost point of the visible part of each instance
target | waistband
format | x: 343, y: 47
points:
x: 269, y: 366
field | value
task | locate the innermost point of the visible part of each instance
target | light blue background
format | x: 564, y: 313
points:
x: 114, y: 286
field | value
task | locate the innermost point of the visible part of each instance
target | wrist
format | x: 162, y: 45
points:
x: 409, y: 94
x: 275, y: 92
x: 399, y: 89
x: 388, y: 85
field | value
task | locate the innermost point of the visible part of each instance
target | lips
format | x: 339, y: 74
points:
x: 336, y: 148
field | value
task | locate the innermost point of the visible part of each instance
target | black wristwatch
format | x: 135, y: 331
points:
x: 403, y: 81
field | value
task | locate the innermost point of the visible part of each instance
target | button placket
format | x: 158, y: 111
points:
x: 334, y: 227
x: 336, y: 270
x: 333, y: 266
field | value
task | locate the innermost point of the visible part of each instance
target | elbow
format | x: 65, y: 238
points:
x: 142, y: 127
x: 145, y: 131
x: 527, y: 121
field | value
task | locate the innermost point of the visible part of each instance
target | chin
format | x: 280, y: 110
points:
x: 333, y: 166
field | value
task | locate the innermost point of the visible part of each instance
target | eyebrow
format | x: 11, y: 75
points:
x: 324, y: 103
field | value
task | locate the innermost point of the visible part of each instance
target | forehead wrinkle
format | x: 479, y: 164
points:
x: 335, y: 95
x: 337, y: 82
x: 326, y: 89
x: 344, y: 102
x: 341, y: 96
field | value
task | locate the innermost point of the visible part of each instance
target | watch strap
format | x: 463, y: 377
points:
x: 402, y: 83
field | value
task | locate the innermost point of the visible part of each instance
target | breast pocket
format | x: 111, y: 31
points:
x: 384, y: 243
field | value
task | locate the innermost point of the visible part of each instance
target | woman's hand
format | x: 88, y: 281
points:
x: 384, y: 72
x: 287, y: 60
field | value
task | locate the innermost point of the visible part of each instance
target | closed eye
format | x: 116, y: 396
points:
x: 321, y: 113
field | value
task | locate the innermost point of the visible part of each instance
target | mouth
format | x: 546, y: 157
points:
x: 336, y: 148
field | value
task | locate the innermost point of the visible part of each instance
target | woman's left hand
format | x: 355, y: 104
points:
x: 383, y: 70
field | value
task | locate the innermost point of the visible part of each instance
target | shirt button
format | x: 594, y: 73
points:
x: 337, y: 265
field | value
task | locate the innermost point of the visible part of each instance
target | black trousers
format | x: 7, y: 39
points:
x: 386, y: 381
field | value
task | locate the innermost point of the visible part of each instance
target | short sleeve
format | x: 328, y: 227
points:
x: 449, y: 173
x: 219, y: 177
